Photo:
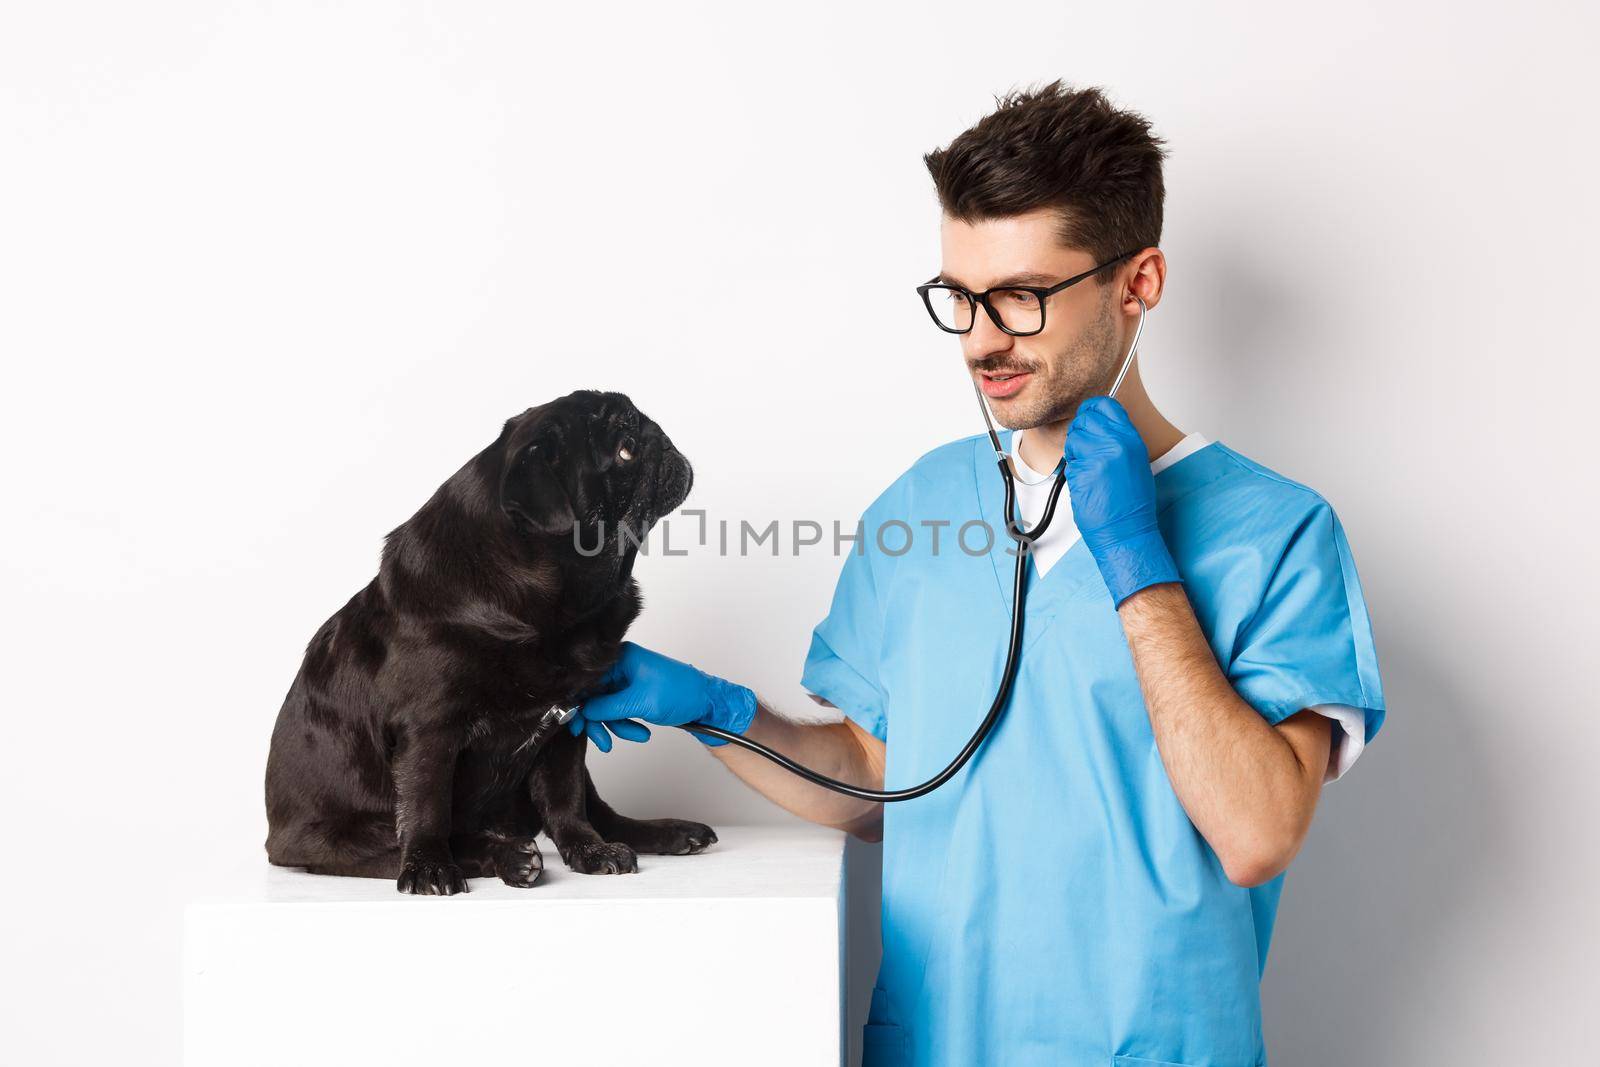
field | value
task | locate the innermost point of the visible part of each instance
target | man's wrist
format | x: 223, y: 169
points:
x: 1151, y: 601
x: 733, y: 707
x: 1131, y: 565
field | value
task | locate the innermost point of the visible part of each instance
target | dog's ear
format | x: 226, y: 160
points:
x: 529, y: 488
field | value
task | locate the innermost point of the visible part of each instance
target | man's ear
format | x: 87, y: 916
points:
x: 529, y: 488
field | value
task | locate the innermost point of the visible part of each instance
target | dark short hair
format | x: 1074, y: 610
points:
x: 1062, y: 148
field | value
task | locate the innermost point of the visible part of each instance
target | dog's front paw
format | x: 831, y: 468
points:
x: 518, y: 863
x: 603, y: 857
x: 430, y: 877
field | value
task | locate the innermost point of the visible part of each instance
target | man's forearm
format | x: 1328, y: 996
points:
x: 1242, y: 783
x: 829, y: 748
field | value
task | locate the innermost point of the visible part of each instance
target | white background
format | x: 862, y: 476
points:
x: 270, y: 273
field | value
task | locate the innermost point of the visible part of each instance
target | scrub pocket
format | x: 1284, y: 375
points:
x: 884, y: 1045
x: 1134, y: 1061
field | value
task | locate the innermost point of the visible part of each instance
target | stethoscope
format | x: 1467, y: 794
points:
x: 1025, y: 537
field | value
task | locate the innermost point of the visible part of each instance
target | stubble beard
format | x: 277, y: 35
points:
x: 1082, y: 370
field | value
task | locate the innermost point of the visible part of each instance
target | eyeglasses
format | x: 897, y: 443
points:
x: 1016, y: 309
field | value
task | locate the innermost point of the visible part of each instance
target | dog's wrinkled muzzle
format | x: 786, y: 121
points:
x: 675, y: 480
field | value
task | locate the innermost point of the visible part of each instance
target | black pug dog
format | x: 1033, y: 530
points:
x: 402, y: 750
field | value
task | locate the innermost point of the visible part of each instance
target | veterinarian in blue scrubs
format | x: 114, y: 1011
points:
x: 1098, y: 885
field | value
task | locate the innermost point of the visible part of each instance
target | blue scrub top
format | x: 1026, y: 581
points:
x: 1052, y: 903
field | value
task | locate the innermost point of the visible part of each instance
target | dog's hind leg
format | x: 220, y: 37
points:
x: 557, y: 788
x: 356, y: 845
x: 666, y: 837
x: 383, y: 865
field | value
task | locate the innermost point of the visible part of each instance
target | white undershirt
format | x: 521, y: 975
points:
x: 1063, y: 534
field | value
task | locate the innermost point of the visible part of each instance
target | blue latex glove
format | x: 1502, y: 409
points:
x: 664, y: 691
x: 1114, y: 499
x: 601, y: 736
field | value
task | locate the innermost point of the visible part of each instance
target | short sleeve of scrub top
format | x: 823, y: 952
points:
x: 841, y: 664
x: 1309, y: 641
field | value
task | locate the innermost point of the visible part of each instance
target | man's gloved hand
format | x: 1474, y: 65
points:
x: 1114, y: 499
x: 664, y: 691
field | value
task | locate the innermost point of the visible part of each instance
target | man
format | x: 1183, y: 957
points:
x: 1098, y: 885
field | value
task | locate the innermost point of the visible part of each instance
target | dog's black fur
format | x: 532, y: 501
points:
x: 396, y: 753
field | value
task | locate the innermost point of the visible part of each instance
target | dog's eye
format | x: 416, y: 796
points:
x: 625, y: 450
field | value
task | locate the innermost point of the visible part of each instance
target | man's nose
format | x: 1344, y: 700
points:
x: 985, y: 338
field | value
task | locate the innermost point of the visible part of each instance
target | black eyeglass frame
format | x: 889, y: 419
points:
x: 1041, y: 293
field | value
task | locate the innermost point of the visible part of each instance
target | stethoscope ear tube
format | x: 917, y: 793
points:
x: 1025, y: 539
x: 1127, y: 361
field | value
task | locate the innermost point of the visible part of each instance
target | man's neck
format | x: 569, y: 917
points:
x: 1041, y: 446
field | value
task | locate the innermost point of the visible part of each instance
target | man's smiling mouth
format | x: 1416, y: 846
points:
x: 1001, y: 386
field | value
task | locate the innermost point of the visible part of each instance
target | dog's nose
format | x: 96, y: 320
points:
x: 675, y: 465
x: 656, y: 435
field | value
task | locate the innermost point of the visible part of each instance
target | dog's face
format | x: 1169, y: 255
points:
x: 587, y: 466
